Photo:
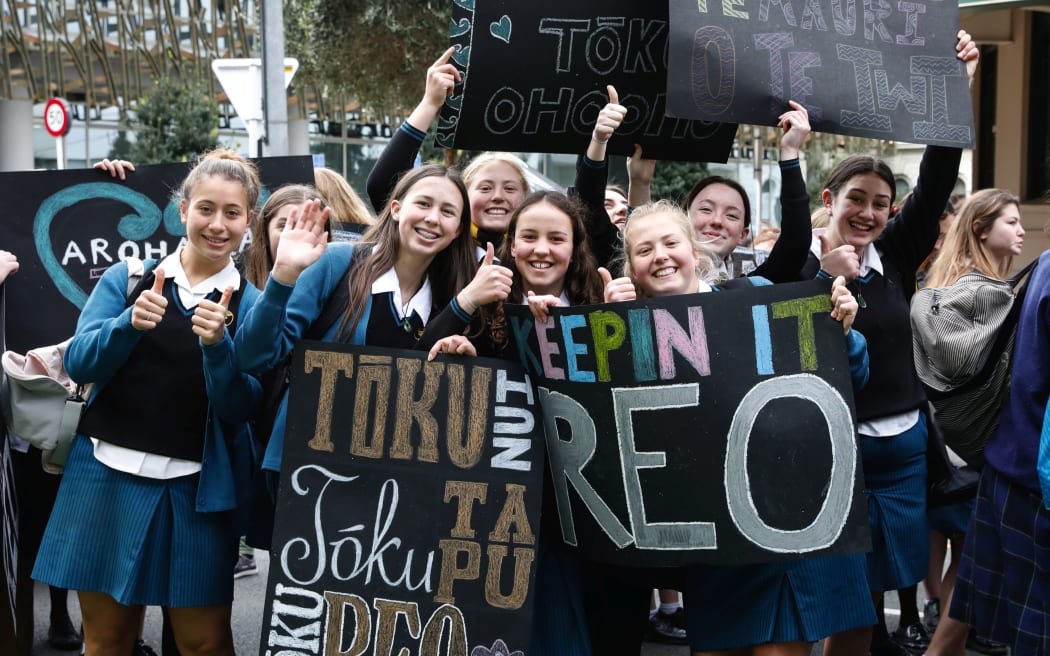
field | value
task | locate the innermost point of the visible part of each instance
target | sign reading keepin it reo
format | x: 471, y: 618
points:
x: 68, y: 227
x: 712, y: 428
x: 871, y: 68
x: 408, y: 511
x: 535, y: 76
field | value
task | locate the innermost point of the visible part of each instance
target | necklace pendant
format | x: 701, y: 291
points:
x: 860, y: 300
x: 406, y: 325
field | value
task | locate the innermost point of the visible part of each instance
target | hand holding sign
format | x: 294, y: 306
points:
x: 540, y: 305
x: 303, y: 240
x: 620, y: 289
x: 967, y: 51
x: 117, y: 168
x: 455, y: 344
x: 795, y: 124
x: 442, y: 77
x: 209, y: 319
x: 490, y: 283
x: 150, y: 305
x: 844, y: 304
x: 640, y: 172
x: 8, y: 265
x: 840, y: 261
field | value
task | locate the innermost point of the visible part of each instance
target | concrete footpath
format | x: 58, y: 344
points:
x: 249, y: 594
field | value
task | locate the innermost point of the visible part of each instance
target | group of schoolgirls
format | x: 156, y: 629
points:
x: 149, y: 508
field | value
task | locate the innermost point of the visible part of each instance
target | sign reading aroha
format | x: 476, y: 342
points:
x: 68, y: 227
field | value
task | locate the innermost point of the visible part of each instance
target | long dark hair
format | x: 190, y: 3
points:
x: 582, y: 285
x: 450, y: 270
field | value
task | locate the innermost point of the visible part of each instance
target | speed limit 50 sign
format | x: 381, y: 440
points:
x: 57, y: 120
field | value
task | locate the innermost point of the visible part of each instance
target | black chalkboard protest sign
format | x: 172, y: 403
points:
x: 408, y: 510
x: 535, y: 76
x: 713, y: 428
x: 68, y: 227
x: 876, y: 68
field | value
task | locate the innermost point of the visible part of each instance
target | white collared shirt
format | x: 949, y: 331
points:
x: 421, y: 302
x: 869, y: 257
x: 883, y: 426
x: 152, y: 465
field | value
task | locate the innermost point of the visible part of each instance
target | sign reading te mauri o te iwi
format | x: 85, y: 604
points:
x: 408, y: 510
x: 884, y: 69
x: 699, y: 428
x: 535, y: 76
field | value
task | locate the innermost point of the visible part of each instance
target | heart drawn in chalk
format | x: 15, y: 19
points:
x: 501, y: 29
x: 458, y: 29
x: 455, y: 102
x: 462, y: 55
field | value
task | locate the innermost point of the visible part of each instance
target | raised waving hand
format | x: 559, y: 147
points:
x: 303, y: 240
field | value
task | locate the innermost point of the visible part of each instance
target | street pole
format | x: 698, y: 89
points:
x: 275, y: 98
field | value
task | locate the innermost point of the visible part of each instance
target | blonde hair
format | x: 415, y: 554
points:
x: 819, y: 218
x: 963, y: 250
x: 474, y: 168
x: 705, y: 260
x: 347, y: 206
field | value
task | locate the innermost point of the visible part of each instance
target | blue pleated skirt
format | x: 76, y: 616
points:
x: 895, y: 487
x: 731, y: 607
x: 138, y: 540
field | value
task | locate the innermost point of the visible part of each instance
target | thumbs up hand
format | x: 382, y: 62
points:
x: 491, y: 283
x: 150, y: 305
x: 840, y: 261
x: 609, y: 118
x: 209, y: 319
x: 619, y: 289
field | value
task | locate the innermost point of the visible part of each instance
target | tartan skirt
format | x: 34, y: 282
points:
x: 1003, y: 587
x: 139, y: 540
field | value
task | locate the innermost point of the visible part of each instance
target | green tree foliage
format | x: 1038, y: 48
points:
x: 178, y: 120
x: 374, y: 50
x: 673, y: 180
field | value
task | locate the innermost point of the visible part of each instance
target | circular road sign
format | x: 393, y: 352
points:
x: 56, y: 117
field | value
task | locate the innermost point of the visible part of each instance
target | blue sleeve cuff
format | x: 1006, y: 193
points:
x: 413, y: 132
x: 587, y: 161
x: 822, y: 274
x: 786, y: 164
x: 459, y: 311
x: 857, y: 353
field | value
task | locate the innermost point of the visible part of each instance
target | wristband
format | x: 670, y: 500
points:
x: 598, y: 141
x: 469, y: 301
